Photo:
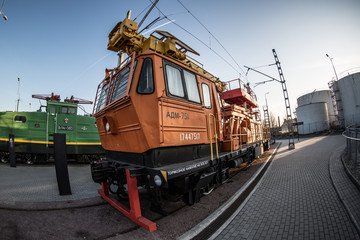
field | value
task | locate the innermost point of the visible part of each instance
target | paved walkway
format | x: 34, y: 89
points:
x: 296, y: 198
x: 35, y: 184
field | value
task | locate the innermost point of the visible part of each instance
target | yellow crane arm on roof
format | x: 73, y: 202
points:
x: 125, y: 37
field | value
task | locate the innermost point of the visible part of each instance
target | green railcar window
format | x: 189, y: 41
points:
x: 63, y: 109
x: 20, y: 119
x: 72, y: 110
x: 52, y: 110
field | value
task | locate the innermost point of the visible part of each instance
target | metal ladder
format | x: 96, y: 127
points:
x: 337, y: 103
x: 287, y: 103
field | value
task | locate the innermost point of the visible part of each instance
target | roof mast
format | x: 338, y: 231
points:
x: 18, y: 97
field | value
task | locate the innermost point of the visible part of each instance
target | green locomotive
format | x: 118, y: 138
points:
x: 34, y: 131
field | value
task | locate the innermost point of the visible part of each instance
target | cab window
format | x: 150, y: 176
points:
x: 146, y: 79
x: 174, y: 81
x: 206, y: 95
x: 191, y: 87
x: 20, y: 119
x: 63, y: 109
x: 72, y: 110
x: 52, y: 110
x: 181, y: 83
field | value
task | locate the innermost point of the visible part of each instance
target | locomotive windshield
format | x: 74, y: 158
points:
x: 146, y: 80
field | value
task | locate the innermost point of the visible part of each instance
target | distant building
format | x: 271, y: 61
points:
x: 316, y: 111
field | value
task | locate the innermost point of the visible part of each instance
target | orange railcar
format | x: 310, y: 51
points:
x: 163, y: 123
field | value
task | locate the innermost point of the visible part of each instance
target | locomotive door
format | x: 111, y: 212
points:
x: 66, y: 123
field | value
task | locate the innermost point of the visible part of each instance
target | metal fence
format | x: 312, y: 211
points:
x: 352, y: 136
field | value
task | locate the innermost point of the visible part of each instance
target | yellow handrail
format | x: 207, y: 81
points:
x: 210, y: 137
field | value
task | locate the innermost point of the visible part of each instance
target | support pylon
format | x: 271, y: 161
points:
x: 291, y: 134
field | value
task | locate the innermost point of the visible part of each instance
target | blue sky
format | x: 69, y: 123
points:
x: 60, y: 46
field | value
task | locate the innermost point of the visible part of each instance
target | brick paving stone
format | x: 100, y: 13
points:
x: 296, y: 198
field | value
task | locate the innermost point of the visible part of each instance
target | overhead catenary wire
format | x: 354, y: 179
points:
x: 202, y: 42
x: 142, y: 11
x: 2, y: 6
x: 267, y: 65
x: 211, y: 35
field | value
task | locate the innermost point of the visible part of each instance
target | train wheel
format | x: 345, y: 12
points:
x: 4, y: 158
x: 94, y: 157
x: 29, y: 159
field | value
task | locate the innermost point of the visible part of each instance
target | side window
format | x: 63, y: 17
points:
x: 52, y: 110
x: 191, y: 87
x: 174, y: 81
x: 206, y: 95
x: 71, y: 110
x: 20, y: 119
x: 146, y: 79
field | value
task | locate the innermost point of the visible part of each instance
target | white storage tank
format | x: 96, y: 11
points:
x: 321, y: 96
x: 314, y: 116
x: 348, y: 97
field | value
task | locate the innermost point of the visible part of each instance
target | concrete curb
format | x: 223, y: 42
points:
x: 55, y: 205
x: 337, y: 155
x: 348, y: 172
x: 195, y: 231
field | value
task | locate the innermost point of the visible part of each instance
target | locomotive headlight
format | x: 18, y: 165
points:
x: 107, y: 127
x: 157, y: 180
